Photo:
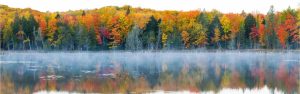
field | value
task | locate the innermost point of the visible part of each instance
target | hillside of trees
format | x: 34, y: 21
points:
x: 128, y: 28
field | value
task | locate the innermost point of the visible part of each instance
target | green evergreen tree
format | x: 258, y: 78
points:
x: 150, y: 34
x: 215, y: 24
x: 250, y: 22
x: 272, y: 40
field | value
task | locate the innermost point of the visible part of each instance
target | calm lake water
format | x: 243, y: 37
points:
x: 150, y: 72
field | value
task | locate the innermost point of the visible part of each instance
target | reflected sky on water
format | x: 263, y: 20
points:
x: 140, y: 72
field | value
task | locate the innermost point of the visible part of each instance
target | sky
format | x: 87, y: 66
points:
x: 225, y: 6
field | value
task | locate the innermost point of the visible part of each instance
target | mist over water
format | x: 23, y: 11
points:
x: 135, y: 57
x: 140, y: 72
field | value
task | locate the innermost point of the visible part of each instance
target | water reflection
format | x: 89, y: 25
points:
x: 139, y: 72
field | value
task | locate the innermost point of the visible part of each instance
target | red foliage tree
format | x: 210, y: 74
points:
x: 291, y: 26
x: 254, y: 33
x: 282, y: 35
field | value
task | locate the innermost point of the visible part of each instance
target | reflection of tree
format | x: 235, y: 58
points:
x: 151, y: 72
x: 166, y: 81
x: 51, y: 85
x: 226, y: 78
x: 108, y: 86
x: 189, y: 78
x: 236, y: 80
x: 287, y: 79
x: 213, y: 77
x: 123, y: 82
x: 24, y: 90
x: 246, y: 75
x: 140, y: 85
x: 259, y: 74
x: 171, y: 76
x: 89, y: 85
x: 70, y: 85
x: 41, y: 85
x: 6, y: 85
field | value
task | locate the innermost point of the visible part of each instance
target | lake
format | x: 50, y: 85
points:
x: 150, y: 72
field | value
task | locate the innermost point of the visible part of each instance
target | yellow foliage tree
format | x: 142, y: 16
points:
x: 226, y: 25
x: 51, y: 29
x: 120, y: 26
x: 167, y: 24
x: 185, y: 38
x: 164, y: 38
x: 201, y: 39
x: 217, y: 35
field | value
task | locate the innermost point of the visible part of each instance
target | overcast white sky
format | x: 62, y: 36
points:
x: 225, y: 6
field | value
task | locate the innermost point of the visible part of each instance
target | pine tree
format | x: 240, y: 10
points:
x: 250, y: 22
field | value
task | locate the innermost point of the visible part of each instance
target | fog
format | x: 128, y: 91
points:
x: 150, y: 57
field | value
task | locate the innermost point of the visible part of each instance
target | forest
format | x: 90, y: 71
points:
x: 128, y: 28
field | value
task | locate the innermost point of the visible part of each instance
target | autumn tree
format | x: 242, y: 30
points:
x: 140, y: 19
x: 42, y: 25
x: 297, y: 34
x: 115, y: 34
x: 282, y: 35
x: 217, y: 37
x: 226, y: 26
x: 7, y: 34
x: 262, y: 33
x: 236, y: 21
x: 190, y: 28
x: 119, y: 26
x: 167, y: 26
x: 105, y: 36
x: 51, y: 31
x: 91, y: 24
x: 254, y: 36
x: 198, y: 35
x: 291, y: 27
x: 186, y: 38
x: 287, y: 31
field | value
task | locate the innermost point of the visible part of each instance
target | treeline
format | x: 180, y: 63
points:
x: 127, y: 28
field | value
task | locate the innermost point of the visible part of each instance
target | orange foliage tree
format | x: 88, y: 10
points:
x: 185, y: 38
x: 282, y: 35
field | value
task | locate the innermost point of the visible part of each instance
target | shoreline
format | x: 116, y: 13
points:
x: 151, y: 51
